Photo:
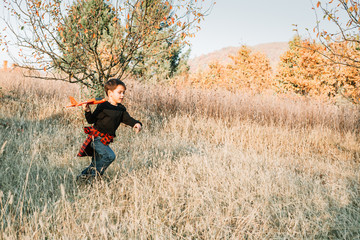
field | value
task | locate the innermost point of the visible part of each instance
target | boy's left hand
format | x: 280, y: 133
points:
x: 137, y: 127
x: 86, y: 108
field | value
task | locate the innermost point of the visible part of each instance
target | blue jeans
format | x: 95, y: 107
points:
x: 102, y: 158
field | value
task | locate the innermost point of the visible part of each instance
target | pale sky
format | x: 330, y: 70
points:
x: 249, y: 22
x: 238, y: 22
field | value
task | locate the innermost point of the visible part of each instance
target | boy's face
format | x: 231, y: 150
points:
x: 117, y: 95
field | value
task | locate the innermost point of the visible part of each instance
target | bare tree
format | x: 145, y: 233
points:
x: 90, y: 41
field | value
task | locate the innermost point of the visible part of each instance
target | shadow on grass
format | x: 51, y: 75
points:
x: 30, y: 164
x: 346, y: 219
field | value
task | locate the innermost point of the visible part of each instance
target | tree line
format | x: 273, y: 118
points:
x: 91, y: 41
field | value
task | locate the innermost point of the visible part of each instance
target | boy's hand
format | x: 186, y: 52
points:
x: 137, y: 127
x: 86, y: 108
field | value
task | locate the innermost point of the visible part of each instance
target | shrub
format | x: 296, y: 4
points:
x: 248, y: 70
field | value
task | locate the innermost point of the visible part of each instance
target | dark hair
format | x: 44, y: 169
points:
x: 112, y: 84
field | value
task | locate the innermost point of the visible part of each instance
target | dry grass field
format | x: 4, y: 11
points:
x: 207, y: 165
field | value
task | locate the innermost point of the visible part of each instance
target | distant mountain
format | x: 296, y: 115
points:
x: 272, y: 50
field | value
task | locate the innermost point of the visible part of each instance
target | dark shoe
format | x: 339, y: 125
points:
x: 85, y: 178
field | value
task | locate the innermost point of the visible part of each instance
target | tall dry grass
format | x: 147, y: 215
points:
x: 208, y: 165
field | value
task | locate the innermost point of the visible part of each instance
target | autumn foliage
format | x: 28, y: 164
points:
x: 305, y: 69
x: 326, y: 68
x: 248, y: 70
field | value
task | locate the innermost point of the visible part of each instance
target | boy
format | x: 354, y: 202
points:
x: 106, y: 119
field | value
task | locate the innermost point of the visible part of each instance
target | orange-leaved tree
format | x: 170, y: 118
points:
x: 301, y: 70
x: 340, y: 45
x: 304, y: 70
x: 248, y: 70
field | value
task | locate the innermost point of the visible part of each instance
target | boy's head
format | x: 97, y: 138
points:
x: 115, y: 90
x: 112, y: 84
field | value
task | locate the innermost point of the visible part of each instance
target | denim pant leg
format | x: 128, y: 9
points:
x: 104, y: 156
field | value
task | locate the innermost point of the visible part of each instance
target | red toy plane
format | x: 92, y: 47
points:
x: 74, y: 103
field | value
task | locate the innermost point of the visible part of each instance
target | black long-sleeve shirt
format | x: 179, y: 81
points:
x: 107, y: 118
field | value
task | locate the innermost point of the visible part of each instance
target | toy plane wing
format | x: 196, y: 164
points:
x: 74, y: 103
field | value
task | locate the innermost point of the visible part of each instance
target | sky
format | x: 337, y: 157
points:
x: 246, y: 22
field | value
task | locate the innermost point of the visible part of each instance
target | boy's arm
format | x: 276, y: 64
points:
x: 128, y: 120
x: 91, y: 117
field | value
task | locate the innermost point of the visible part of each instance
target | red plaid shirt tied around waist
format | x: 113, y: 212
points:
x: 86, y: 149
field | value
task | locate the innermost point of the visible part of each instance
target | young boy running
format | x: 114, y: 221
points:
x: 106, y: 119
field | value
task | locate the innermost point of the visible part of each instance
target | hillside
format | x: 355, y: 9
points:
x: 272, y: 50
x: 207, y: 165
